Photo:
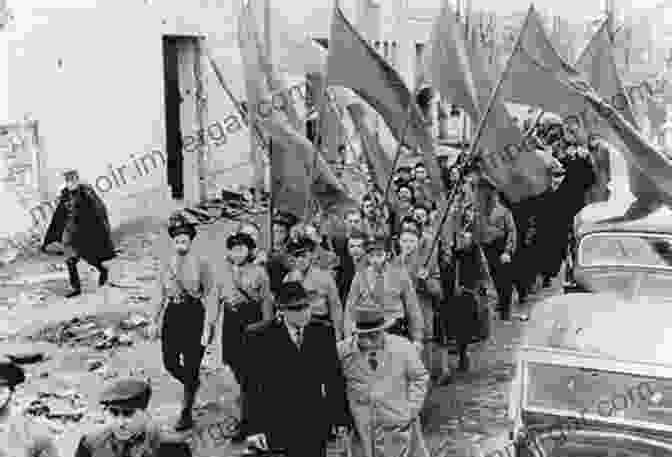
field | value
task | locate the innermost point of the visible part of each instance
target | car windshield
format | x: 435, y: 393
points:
x: 604, y: 394
x: 626, y: 249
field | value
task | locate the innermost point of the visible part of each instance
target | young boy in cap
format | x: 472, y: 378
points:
x: 129, y: 431
x: 298, y: 399
x: 388, y: 366
x: 18, y: 437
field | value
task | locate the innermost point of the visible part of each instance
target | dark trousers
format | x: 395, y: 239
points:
x: 181, y: 336
x: 501, y: 274
x: 73, y: 275
x: 524, y: 270
x: 234, y: 348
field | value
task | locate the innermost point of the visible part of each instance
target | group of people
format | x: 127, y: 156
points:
x: 346, y: 319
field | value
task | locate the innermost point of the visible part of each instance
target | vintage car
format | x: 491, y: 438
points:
x: 613, y: 254
x: 593, y: 378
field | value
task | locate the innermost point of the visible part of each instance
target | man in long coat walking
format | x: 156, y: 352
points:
x: 296, y: 390
x: 81, y: 223
x: 386, y: 384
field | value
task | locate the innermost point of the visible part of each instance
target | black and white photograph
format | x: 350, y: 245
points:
x: 340, y: 228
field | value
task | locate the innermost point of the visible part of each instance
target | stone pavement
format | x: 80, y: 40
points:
x: 471, y: 410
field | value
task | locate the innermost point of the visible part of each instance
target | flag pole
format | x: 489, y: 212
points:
x: 243, y: 115
x: 397, y: 155
x: 479, y: 133
x: 271, y: 204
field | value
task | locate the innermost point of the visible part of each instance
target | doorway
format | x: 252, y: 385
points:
x: 185, y: 117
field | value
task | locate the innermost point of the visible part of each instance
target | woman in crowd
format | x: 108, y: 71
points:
x: 246, y: 298
x: 187, y: 313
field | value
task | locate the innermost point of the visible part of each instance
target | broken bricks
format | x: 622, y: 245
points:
x: 65, y: 407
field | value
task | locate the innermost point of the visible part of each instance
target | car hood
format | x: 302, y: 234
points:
x: 627, y: 282
x: 604, y: 324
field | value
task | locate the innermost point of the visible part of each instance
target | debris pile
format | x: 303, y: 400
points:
x: 231, y: 205
x: 90, y: 331
x: 66, y: 406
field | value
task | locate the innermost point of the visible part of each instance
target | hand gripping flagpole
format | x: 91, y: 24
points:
x: 478, y: 135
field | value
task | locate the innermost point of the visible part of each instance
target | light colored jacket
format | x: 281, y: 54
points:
x: 399, y: 299
x: 394, y: 393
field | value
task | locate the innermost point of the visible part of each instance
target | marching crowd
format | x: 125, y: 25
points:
x: 346, y: 320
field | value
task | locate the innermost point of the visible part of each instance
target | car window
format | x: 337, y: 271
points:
x: 616, y: 249
x: 601, y: 393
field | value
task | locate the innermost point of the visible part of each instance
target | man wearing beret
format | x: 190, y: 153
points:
x: 296, y: 390
x: 129, y: 431
x: 18, y: 437
x: 327, y: 304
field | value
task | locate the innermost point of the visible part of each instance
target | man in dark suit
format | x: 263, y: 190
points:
x: 296, y: 392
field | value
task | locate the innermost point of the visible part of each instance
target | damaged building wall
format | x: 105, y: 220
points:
x: 99, y: 96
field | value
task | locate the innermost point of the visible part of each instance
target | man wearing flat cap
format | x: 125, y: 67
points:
x: 321, y: 283
x: 296, y: 391
x: 386, y: 286
x: 129, y: 430
x: 81, y: 224
x: 19, y: 436
x: 386, y: 384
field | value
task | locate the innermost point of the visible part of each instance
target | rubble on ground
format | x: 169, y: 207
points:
x: 92, y: 331
x: 65, y: 406
x: 231, y: 205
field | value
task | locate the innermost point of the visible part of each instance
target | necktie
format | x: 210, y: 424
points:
x: 379, y: 286
x: 299, y: 337
x: 373, y: 361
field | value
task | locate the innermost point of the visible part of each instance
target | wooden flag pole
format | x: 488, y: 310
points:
x: 479, y: 133
x: 397, y: 156
x: 244, y: 116
x: 271, y: 206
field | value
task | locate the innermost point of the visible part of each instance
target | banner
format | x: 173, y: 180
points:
x: 354, y: 64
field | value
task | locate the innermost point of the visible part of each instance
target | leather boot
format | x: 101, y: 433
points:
x: 240, y: 434
x: 463, y: 364
x: 186, y: 420
x: 75, y: 283
x: 104, y: 275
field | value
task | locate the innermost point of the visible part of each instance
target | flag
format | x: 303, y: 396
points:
x: 518, y: 177
x: 298, y: 163
x: 380, y: 164
x: 534, y: 53
x: 597, y: 63
x: 352, y: 63
x: 639, y: 154
x: 294, y: 161
x: 656, y: 112
x: 449, y: 66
